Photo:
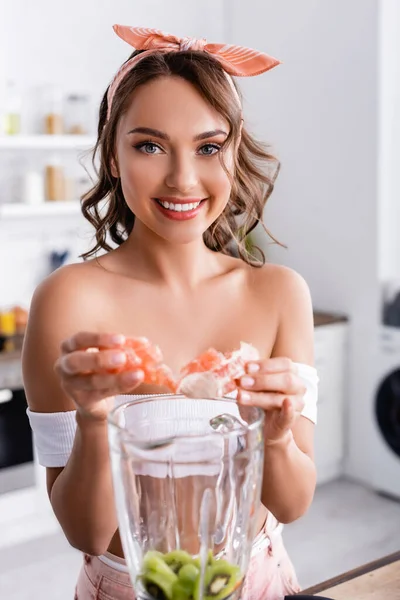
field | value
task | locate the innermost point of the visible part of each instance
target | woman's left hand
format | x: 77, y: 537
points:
x: 273, y: 385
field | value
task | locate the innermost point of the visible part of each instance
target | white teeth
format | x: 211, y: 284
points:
x: 180, y: 207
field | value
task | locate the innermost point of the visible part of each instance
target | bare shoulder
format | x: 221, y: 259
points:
x: 281, y: 279
x: 70, y: 285
x: 64, y: 303
x: 290, y: 298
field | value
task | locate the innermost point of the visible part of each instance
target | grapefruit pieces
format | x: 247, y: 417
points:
x: 210, y: 375
x: 142, y: 354
x: 215, y: 377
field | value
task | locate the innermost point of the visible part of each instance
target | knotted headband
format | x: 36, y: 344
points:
x: 235, y: 60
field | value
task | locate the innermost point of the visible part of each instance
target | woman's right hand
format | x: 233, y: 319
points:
x: 87, y: 377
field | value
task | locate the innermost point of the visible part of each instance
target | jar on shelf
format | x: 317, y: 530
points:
x: 77, y: 114
x: 32, y: 188
x: 7, y: 331
x: 12, y: 109
x: 21, y: 319
x: 53, y: 121
x: 54, y: 180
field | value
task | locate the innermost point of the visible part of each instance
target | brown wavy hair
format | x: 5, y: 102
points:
x: 255, y: 170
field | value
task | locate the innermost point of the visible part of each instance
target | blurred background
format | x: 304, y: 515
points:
x: 331, y: 113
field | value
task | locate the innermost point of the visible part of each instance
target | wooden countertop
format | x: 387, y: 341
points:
x: 378, y: 580
x: 323, y: 318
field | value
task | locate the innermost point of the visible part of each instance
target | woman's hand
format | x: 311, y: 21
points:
x: 273, y: 385
x: 85, y: 370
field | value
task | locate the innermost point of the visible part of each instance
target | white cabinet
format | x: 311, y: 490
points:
x: 331, y: 362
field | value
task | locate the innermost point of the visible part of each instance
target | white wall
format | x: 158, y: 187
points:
x: 320, y: 112
x: 71, y: 43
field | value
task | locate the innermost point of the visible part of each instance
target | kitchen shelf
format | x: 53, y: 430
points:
x: 46, y: 142
x: 72, y: 207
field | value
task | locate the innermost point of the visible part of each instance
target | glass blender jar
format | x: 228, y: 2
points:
x: 187, y: 477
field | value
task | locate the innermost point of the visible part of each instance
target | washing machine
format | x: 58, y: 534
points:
x: 384, y: 440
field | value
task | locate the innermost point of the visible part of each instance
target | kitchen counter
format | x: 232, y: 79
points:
x: 378, y: 580
x: 10, y: 356
x: 323, y: 318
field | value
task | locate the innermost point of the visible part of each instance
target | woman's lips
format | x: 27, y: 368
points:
x: 179, y: 215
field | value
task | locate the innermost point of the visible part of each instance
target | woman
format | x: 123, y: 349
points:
x: 180, y: 183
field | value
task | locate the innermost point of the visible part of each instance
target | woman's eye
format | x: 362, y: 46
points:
x: 148, y: 148
x: 209, y: 149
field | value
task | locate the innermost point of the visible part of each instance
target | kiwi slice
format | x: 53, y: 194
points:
x: 176, y: 559
x: 188, y: 574
x: 158, y: 585
x: 220, y: 580
x: 157, y: 577
x: 154, y: 561
x: 181, y: 591
x: 183, y: 588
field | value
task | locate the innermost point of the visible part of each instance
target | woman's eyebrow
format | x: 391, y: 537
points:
x: 164, y: 136
x: 150, y: 131
x: 209, y: 134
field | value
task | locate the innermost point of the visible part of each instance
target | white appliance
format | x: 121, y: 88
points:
x: 384, y: 414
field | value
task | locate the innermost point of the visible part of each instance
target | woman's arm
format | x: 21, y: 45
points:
x: 289, y: 470
x: 81, y: 494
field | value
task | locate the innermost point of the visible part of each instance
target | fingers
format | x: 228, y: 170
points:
x: 270, y: 401
x: 84, y: 362
x: 86, y: 339
x: 280, y: 432
x: 87, y: 371
x: 271, y: 365
x: 94, y: 367
x: 287, y: 414
x: 286, y: 382
x: 99, y: 386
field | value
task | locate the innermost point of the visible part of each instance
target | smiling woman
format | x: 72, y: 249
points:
x: 167, y: 158
x: 180, y: 180
x: 174, y: 207
x: 181, y: 114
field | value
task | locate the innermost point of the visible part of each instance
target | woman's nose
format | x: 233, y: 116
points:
x: 182, y: 175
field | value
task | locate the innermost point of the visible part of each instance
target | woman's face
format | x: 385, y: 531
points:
x: 168, y: 154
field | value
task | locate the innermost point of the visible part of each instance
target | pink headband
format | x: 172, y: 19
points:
x: 235, y: 60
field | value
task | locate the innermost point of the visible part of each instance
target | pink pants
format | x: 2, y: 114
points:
x: 270, y: 576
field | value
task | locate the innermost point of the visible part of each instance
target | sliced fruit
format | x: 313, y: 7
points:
x: 163, y: 376
x: 210, y: 359
x: 176, y: 559
x: 148, y: 352
x: 188, y: 574
x: 220, y: 580
x: 159, y: 585
x: 180, y: 591
x: 154, y: 561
